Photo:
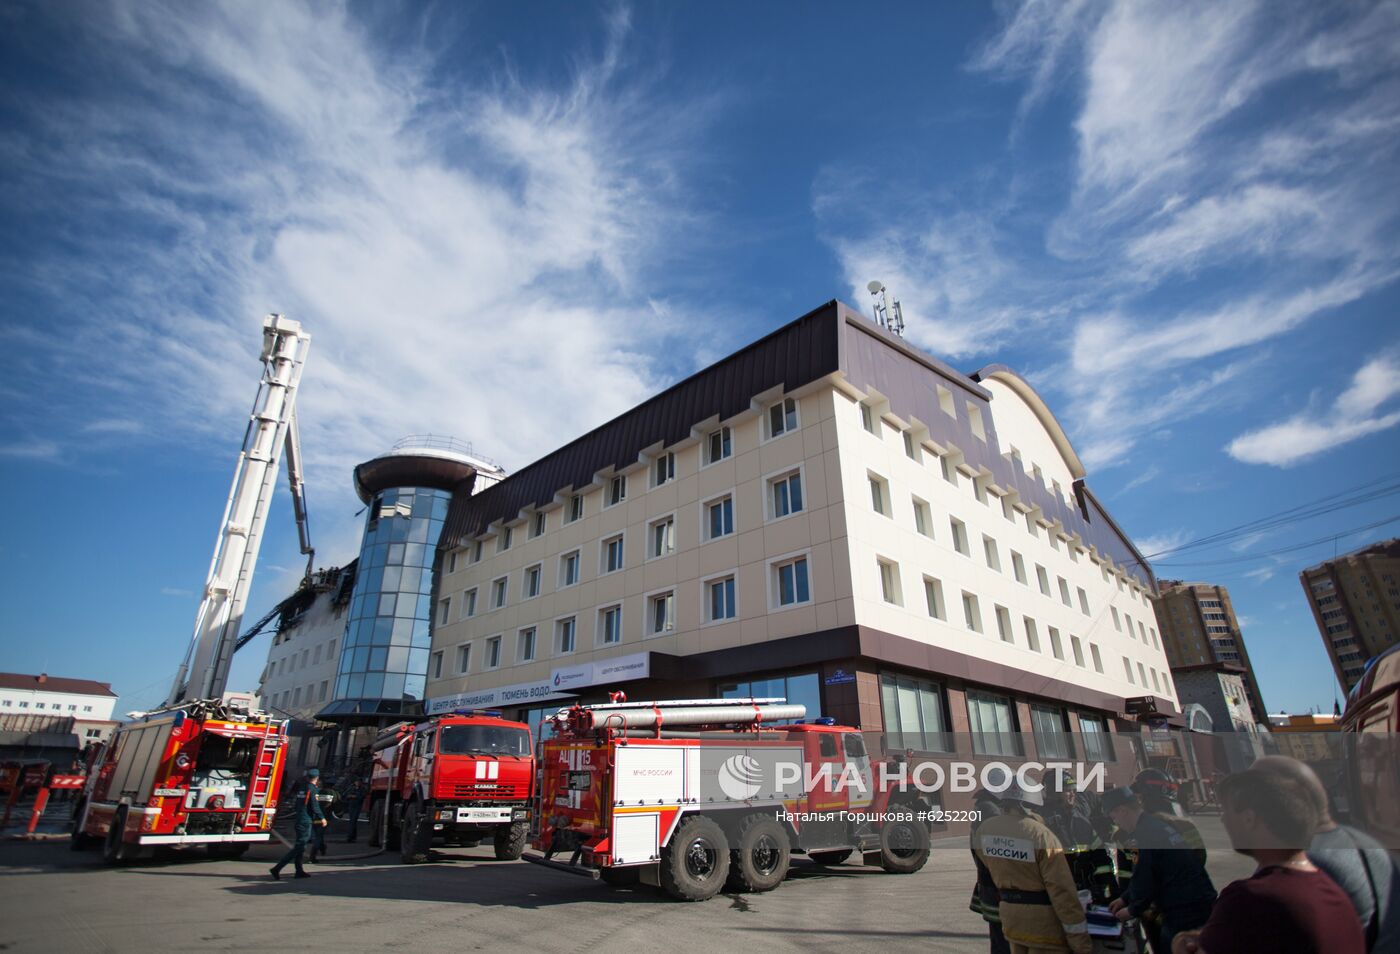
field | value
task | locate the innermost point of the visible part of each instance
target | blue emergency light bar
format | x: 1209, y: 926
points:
x: 492, y: 713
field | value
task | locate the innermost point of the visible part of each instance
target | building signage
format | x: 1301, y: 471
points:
x: 840, y: 677
x: 562, y: 683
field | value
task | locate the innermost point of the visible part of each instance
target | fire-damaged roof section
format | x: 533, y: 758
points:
x: 831, y: 340
x: 46, y: 683
x: 796, y: 354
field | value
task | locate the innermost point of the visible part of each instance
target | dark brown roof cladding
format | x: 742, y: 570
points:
x: 798, y: 353
x: 47, y: 683
x: 831, y: 338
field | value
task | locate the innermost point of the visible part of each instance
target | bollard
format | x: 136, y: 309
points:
x: 40, y: 800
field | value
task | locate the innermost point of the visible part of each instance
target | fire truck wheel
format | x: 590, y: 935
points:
x: 509, y: 840
x: 904, y: 846
x: 376, y: 821
x: 759, y: 861
x: 114, y: 850
x: 695, y: 864
x: 415, y: 842
x: 830, y: 858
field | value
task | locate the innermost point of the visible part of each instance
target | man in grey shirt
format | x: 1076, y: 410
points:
x: 1356, y: 861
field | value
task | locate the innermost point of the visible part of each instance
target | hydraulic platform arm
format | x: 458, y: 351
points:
x: 298, y: 488
x: 204, y: 672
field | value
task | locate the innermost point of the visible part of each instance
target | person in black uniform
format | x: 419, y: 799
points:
x: 308, y: 815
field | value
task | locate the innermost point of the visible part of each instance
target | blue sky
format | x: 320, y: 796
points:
x: 508, y: 222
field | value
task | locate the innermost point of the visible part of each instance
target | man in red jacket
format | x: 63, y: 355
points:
x: 1288, y: 904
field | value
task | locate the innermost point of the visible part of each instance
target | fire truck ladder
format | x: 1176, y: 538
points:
x: 262, y: 780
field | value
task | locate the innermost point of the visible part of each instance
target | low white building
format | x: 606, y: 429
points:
x: 829, y: 515
x: 45, y: 695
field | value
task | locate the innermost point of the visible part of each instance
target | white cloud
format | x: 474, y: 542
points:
x: 31, y: 450
x: 1353, y: 414
x: 1148, y: 474
x: 470, y: 259
x: 1153, y: 544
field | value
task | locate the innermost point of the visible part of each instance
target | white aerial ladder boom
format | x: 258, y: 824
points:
x: 271, y: 426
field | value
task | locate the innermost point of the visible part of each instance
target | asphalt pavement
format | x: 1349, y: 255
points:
x: 53, y: 899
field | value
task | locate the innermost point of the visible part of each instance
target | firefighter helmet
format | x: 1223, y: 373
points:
x: 1154, y: 782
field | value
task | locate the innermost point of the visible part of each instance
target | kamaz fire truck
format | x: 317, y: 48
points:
x: 459, y: 778
x: 695, y: 795
x: 201, y: 774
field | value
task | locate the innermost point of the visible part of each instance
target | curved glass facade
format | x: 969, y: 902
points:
x: 384, y: 658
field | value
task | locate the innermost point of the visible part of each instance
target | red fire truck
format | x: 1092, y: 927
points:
x: 201, y: 774
x: 695, y: 795
x: 457, y: 777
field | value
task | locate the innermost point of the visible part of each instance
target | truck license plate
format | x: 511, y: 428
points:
x: 483, y: 814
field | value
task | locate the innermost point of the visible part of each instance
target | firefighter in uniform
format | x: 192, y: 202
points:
x: 1089, y: 861
x: 1040, y: 909
x: 308, y: 814
x: 986, y: 902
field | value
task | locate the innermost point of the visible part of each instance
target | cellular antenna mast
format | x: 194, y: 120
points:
x: 888, y: 315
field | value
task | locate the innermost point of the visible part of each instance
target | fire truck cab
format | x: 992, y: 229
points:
x: 698, y: 795
x: 459, y: 778
x: 201, y: 774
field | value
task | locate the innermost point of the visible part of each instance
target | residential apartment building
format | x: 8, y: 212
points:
x: 1355, y: 601
x: 828, y: 515
x: 1199, y: 628
x: 45, y: 695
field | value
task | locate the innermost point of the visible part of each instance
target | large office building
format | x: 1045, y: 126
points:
x: 828, y: 515
x: 1355, y: 601
x: 1199, y: 628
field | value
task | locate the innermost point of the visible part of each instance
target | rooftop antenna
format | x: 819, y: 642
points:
x: 888, y: 315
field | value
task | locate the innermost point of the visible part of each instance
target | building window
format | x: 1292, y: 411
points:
x: 915, y: 715
x: 575, y: 508
x: 720, y: 599
x: 532, y: 581
x: 610, y: 625
x: 665, y: 468
x: 662, y: 536
x: 719, y: 518
x: 718, y: 446
x: 923, y: 518
x: 1098, y: 660
x: 1057, y: 648
x: 469, y: 603
x: 296, y: 693
x: 452, y: 562
x: 1003, y: 616
x: 786, y: 494
x: 1064, y: 591
x: 950, y: 472
x: 1155, y: 683
x: 972, y: 612
x: 1142, y: 676
x: 476, y: 551
x: 498, y: 592
x: 1043, y: 579
x: 1098, y: 744
x: 1078, y: 649
x: 503, y: 541
x: 802, y: 689
x: 1128, y: 671
x: 911, y: 446
x: 444, y: 610
x: 974, y: 420
x: 959, y: 536
x: 867, y: 419
x: 1050, y: 727
x: 782, y: 418
x: 993, y: 724
x: 568, y: 569
x: 790, y: 582
x: 663, y: 613
x: 933, y: 596
x: 539, y: 525
x: 612, y: 554
x: 879, y: 495
x: 567, y: 633
x: 617, y: 490
x: 889, y: 582
x: 1117, y: 623
x: 1054, y: 537
x: 464, y: 658
x: 1083, y: 602
x: 493, y: 653
x: 1032, y: 637
x: 1018, y: 568
x: 437, y: 666
x: 1031, y: 527
x: 989, y: 549
x: 525, y: 645
x: 979, y: 490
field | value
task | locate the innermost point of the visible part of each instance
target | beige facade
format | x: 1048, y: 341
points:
x: 1199, y: 628
x: 1355, y: 602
